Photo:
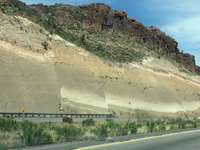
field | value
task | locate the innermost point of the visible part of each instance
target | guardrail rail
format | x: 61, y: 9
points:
x: 4, y: 114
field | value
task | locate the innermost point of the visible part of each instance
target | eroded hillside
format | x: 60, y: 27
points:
x: 45, y: 73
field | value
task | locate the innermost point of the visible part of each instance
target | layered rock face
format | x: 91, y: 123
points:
x: 66, y: 78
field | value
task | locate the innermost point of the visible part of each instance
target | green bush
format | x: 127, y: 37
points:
x: 68, y: 119
x: 181, y: 123
x: 142, y: 114
x: 8, y: 124
x: 110, y: 128
x: 195, y: 123
x: 101, y: 130
x: 68, y: 133
x: 100, y: 48
x: 110, y: 123
x: 151, y: 125
x: 172, y: 127
x: 88, y: 122
x: 159, y: 122
x: 36, y: 135
x: 45, y: 45
x: 130, y: 126
x: 162, y: 127
x: 139, y: 125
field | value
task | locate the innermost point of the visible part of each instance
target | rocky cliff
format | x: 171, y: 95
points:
x: 101, y: 17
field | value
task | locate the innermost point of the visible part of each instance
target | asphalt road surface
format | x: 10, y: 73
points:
x: 59, y: 119
x: 188, y: 140
x: 182, y: 139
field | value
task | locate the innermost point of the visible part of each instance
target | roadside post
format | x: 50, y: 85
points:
x: 23, y: 109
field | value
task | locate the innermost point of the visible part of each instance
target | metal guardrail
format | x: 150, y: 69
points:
x: 4, y: 114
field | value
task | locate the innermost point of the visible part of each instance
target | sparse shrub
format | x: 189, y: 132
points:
x: 181, y: 123
x: 162, y: 127
x: 88, y: 122
x: 139, y: 125
x: 172, y: 127
x: 68, y: 120
x: 36, y: 135
x: 110, y: 123
x: 68, y: 133
x: 8, y: 124
x: 195, y: 123
x: 160, y: 122
x: 110, y: 128
x: 142, y: 114
x: 151, y: 125
x: 100, y: 48
x: 101, y: 130
x: 45, y: 45
x: 130, y: 126
x: 49, y: 39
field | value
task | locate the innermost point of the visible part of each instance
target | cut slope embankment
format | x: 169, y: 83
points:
x: 66, y: 78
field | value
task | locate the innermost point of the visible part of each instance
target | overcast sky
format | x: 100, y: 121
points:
x: 179, y: 19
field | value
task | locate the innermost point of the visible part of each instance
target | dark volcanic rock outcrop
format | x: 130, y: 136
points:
x: 4, y: 3
x: 101, y: 17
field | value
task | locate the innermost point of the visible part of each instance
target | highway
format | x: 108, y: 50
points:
x: 188, y: 140
x: 182, y: 139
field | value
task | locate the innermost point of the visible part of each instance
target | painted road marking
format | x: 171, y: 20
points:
x: 152, y: 137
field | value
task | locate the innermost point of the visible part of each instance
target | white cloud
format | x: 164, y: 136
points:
x: 184, y: 29
x: 182, y: 22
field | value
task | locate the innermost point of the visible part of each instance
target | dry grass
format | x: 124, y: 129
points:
x: 143, y: 129
x: 8, y: 137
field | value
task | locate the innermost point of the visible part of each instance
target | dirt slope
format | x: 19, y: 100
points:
x: 66, y: 78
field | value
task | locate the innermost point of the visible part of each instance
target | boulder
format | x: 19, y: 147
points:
x: 120, y: 14
x: 4, y: 3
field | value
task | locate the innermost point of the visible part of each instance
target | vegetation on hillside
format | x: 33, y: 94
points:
x: 109, y: 46
x: 67, y: 22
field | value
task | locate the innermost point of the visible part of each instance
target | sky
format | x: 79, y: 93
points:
x: 180, y: 19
